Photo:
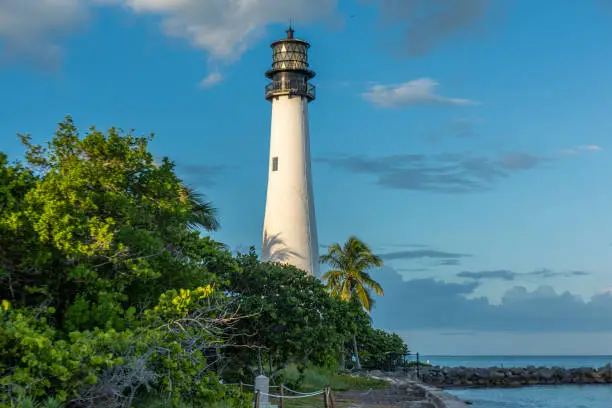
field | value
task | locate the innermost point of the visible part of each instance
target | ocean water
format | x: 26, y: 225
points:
x: 548, y: 396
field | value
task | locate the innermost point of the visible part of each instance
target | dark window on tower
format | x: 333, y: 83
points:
x: 275, y: 164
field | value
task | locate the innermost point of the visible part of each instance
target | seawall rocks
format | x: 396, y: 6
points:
x: 513, y: 377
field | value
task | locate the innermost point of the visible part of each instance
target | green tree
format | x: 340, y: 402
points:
x: 15, y: 182
x: 91, y: 222
x: 350, y: 318
x: 105, y: 279
x: 202, y: 213
x: 288, y: 317
x: 349, y: 279
x: 379, y: 348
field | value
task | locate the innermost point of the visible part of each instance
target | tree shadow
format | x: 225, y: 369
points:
x: 275, y: 250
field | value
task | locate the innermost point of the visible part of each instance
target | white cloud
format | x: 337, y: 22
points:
x: 226, y: 28
x: 417, y: 92
x: 212, y: 79
x: 223, y: 28
x: 33, y: 29
x: 576, y: 150
x: 591, y: 148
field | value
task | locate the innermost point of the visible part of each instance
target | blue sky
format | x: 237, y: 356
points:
x: 467, y: 142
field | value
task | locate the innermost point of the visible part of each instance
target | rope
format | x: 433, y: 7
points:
x: 300, y: 394
x: 292, y: 396
x: 297, y: 392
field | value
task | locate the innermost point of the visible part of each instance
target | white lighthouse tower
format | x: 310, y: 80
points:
x: 290, y: 228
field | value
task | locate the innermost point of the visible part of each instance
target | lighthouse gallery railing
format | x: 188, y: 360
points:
x: 291, y: 87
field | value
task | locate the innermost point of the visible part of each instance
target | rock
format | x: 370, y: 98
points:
x: 376, y: 373
x: 512, y: 377
x: 545, y: 374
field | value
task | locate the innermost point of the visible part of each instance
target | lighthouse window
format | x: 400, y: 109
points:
x: 275, y: 164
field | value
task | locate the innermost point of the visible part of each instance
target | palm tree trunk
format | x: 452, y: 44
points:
x: 356, y: 351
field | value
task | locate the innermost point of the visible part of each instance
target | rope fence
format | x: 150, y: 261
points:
x: 264, y: 400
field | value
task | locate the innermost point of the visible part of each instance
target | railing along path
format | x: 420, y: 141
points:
x: 327, y: 393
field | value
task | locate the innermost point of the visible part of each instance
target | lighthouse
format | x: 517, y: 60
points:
x: 290, y: 228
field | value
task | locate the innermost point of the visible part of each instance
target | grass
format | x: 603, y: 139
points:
x: 316, y: 378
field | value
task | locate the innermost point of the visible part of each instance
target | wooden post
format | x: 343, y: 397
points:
x: 257, y: 399
x: 418, y: 364
x: 325, y: 397
x: 241, y: 388
x: 282, y: 394
x: 332, y: 399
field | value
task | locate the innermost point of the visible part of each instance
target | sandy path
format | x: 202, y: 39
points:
x: 396, y: 395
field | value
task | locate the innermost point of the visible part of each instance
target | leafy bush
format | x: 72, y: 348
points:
x: 291, y: 318
x: 108, y: 366
x: 28, y: 402
x: 379, y: 348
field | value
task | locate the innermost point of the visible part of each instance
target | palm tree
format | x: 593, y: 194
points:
x: 203, y: 214
x: 349, y: 278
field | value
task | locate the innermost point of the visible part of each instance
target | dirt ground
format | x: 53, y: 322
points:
x: 397, y: 395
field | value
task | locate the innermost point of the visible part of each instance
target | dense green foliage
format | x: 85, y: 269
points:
x: 297, y: 321
x: 111, y: 295
x: 379, y: 349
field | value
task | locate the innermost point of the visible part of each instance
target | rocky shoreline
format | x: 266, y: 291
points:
x: 494, y: 377
x: 427, y: 391
x: 402, y: 393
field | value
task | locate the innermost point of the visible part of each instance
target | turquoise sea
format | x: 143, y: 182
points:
x: 558, y: 396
